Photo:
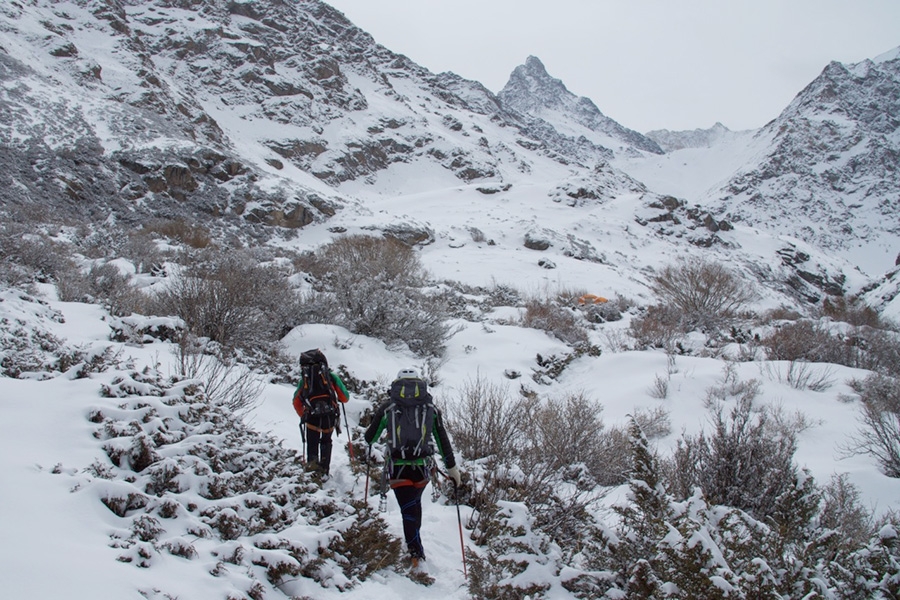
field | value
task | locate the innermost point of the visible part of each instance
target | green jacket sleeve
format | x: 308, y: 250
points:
x: 443, y: 440
x: 379, y: 422
x: 342, y: 393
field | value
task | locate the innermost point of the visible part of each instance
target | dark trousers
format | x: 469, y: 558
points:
x: 318, y: 442
x: 408, y: 483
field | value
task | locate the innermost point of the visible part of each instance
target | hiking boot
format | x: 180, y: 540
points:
x: 416, y: 555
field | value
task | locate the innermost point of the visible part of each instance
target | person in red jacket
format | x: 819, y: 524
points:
x: 316, y: 402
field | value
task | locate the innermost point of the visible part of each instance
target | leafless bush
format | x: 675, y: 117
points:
x: 485, y: 421
x: 654, y: 423
x: 802, y: 340
x: 533, y: 448
x: 745, y: 461
x: 706, y: 293
x: 801, y: 375
x: 842, y: 511
x: 194, y: 236
x: 27, y: 257
x: 876, y: 350
x: 224, y: 381
x: 103, y: 284
x: 659, y: 389
x: 879, y: 434
x: 852, y: 311
x: 658, y: 327
x: 373, y: 286
x: 558, y: 320
x: 782, y: 313
x: 141, y: 249
x: 232, y: 300
x: 862, y: 347
x: 616, y: 340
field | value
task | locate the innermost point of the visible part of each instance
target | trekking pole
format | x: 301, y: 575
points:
x: 462, y: 546
x: 368, y: 455
x: 349, y: 439
x: 303, y: 439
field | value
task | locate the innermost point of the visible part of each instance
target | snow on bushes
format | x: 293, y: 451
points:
x: 187, y: 478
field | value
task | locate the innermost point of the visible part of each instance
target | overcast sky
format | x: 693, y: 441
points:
x: 648, y: 64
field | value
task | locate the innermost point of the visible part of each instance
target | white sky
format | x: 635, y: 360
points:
x: 649, y: 64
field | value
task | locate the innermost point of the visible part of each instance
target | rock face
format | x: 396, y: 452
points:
x: 149, y: 107
x: 831, y: 173
x: 270, y: 114
x: 531, y: 91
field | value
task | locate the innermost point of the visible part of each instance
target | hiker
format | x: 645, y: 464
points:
x: 316, y: 401
x: 411, y: 420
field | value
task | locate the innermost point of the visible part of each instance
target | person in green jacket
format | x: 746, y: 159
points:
x: 316, y: 402
x: 412, y: 422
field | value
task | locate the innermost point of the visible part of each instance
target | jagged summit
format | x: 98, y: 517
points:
x: 530, y: 88
x: 533, y: 92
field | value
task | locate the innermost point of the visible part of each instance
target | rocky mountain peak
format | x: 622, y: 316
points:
x: 830, y: 172
x: 533, y: 92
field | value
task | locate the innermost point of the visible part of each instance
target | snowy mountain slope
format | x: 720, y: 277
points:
x: 831, y: 174
x: 286, y: 115
x: 697, y: 163
x: 51, y: 447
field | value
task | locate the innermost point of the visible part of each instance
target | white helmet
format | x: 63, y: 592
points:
x: 408, y: 373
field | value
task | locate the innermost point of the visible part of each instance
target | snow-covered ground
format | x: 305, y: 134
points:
x: 56, y: 530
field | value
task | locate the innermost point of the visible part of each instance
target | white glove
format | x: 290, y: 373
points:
x: 453, y: 472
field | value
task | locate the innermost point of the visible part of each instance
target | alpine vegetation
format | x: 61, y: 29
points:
x: 609, y: 365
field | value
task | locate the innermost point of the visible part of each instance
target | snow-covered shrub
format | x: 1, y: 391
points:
x: 102, y: 284
x: 707, y: 294
x: 366, y: 546
x: 562, y: 322
x: 186, y: 477
x: 516, y: 558
x: 658, y: 326
x: 693, y: 548
x: 842, y: 511
x: 229, y: 298
x: 551, y: 367
x: 374, y: 286
x: 745, y: 461
x: 879, y: 432
x: 27, y: 256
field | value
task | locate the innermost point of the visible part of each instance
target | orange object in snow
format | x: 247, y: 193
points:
x: 592, y: 299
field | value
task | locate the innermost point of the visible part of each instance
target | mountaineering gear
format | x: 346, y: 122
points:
x: 317, y: 393
x: 462, y: 545
x: 349, y: 438
x: 408, y: 374
x: 410, y: 419
x: 316, y: 402
x: 453, y: 472
x: 412, y: 423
